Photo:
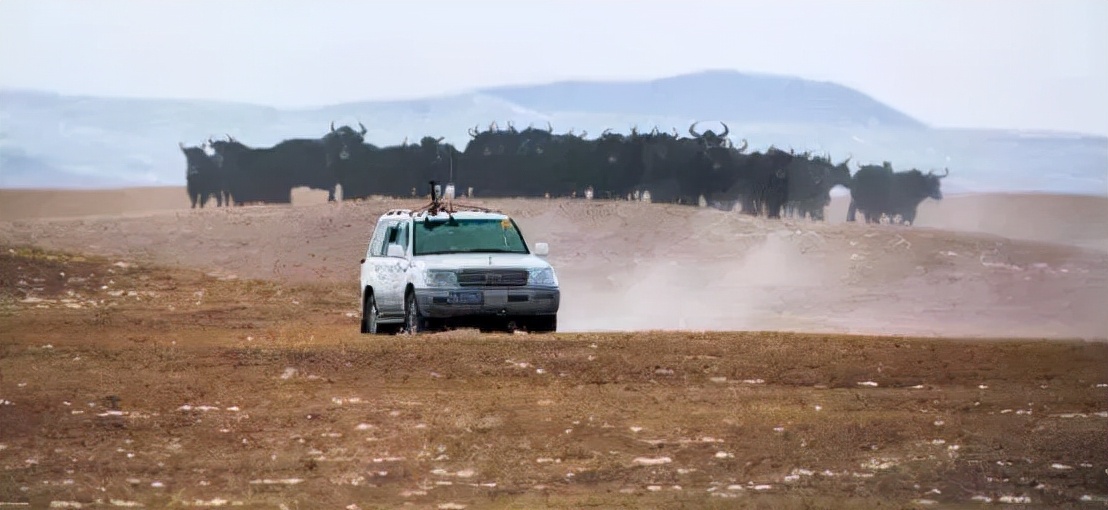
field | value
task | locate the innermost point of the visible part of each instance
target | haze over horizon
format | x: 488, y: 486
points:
x: 1012, y: 65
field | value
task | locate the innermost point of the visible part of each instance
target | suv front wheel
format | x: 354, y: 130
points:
x: 369, y: 315
x: 370, y: 325
x: 413, y: 322
x: 544, y: 324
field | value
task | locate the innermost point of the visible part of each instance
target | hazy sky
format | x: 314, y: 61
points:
x: 981, y: 63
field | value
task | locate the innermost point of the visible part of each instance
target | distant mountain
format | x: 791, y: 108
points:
x: 17, y: 170
x: 709, y: 95
x: 50, y: 140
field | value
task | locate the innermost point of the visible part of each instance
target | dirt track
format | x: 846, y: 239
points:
x: 212, y: 359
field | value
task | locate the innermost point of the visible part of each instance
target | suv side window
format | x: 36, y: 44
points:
x: 377, y: 242
x: 397, y: 233
x: 402, y: 235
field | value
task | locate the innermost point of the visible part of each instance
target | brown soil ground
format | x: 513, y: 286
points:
x: 155, y: 355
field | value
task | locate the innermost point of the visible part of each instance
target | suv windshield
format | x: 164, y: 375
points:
x: 467, y: 236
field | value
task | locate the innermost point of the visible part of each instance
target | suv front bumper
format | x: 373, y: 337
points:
x: 505, y: 301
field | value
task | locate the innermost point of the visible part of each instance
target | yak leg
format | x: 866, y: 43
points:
x: 850, y: 212
x: 746, y: 206
x: 773, y: 208
x: 813, y: 210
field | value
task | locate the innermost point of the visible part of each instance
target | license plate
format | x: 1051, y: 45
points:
x: 465, y: 298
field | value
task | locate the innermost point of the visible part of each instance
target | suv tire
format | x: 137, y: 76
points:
x: 543, y: 324
x: 414, y: 323
x: 370, y: 325
x: 369, y: 315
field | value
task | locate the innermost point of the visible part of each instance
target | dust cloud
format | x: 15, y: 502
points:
x: 687, y: 294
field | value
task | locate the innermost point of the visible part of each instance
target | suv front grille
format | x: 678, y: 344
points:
x: 492, y: 277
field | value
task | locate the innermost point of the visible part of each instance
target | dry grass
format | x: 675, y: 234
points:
x: 173, y: 388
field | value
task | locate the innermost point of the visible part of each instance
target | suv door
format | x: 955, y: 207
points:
x: 369, y: 266
x: 391, y: 272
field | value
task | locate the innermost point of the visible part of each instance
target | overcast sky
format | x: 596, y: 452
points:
x: 981, y: 63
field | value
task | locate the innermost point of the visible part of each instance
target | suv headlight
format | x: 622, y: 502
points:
x: 543, y: 276
x: 440, y: 278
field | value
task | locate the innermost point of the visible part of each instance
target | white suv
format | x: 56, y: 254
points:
x: 438, y: 266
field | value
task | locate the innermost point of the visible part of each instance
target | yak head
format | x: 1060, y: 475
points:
x: 836, y: 175
x: 722, y: 160
x: 341, y: 142
x: 709, y: 138
x: 840, y: 173
x: 493, y: 141
x: 196, y: 159
x: 920, y: 185
x: 535, y: 141
x: 479, y: 142
x: 779, y: 162
x: 933, y: 183
x: 227, y: 149
x: 431, y: 147
x: 187, y: 150
x: 610, y: 147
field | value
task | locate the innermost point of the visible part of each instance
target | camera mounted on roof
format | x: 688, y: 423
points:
x: 437, y: 204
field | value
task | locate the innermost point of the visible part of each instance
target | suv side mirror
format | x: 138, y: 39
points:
x: 395, y: 250
x: 542, y: 249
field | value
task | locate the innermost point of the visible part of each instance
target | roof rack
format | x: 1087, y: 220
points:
x: 436, y: 206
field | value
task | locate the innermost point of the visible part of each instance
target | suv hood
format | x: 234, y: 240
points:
x: 479, y: 260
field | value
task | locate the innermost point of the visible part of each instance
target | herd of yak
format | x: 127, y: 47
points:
x: 704, y: 168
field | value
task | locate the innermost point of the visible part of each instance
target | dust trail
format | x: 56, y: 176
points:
x: 749, y: 291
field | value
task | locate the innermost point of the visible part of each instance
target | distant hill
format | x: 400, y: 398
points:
x: 745, y: 97
x: 50, y: 140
